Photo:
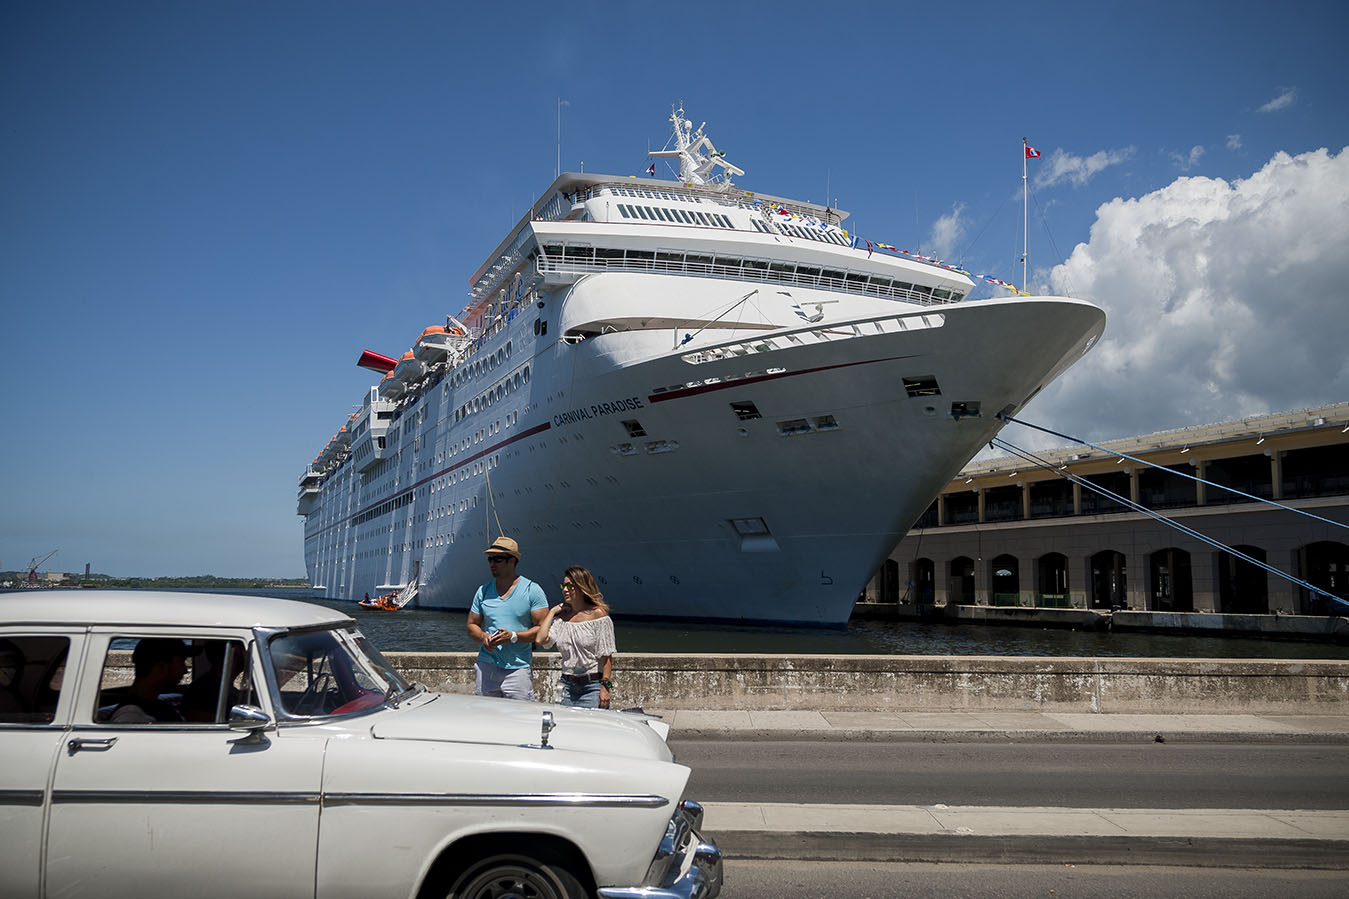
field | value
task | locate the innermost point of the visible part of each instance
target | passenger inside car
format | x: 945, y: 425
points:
x: 160, y: 664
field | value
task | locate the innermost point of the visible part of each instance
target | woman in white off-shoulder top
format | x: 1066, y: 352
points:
x: 581, y: 628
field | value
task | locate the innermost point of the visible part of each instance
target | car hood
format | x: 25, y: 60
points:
x: 448, y: 717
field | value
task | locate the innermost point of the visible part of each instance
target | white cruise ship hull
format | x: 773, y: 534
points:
x: 701, y: 512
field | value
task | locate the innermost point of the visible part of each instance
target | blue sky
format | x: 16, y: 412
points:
x: 208, y: 210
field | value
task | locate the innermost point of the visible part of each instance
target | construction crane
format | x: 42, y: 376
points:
x: 37, y: 563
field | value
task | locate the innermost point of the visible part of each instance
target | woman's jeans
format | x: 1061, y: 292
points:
x: 582, y: 696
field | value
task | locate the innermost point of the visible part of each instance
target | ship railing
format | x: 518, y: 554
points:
x: 681, y: 192
x: 753, y: 270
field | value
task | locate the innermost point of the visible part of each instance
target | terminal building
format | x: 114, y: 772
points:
x: 1012, y: 532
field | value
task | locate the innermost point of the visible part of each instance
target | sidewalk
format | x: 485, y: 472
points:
x: 1261, y: 838
x: 1002, y: 726
x: 1270, y: 838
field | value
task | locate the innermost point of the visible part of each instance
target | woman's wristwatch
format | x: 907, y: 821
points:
x: 607, y: 684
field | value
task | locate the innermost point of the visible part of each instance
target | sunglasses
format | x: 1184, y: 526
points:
x: 499, y: 560
x: 568, y: 585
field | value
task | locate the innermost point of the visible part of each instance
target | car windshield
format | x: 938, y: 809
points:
x: 331, y: 672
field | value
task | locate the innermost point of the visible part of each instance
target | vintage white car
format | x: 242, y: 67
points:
x: 180, y: 744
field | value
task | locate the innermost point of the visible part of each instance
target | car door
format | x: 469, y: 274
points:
x: 34, y: 708
x: 179, y: 808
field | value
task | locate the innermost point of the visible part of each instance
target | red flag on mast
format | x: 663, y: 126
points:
x: 1031, y: 152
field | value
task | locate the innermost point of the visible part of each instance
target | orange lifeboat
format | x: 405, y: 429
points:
x: 433, y: 345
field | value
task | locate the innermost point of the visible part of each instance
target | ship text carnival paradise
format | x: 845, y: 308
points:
x: 709, y: 397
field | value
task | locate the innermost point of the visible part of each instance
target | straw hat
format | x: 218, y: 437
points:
x: 505, y: 546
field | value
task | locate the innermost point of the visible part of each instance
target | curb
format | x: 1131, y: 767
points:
x: 845, y: 735
x: 1207, y: 852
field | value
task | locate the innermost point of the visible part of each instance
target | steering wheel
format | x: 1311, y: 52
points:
x: 365, y: 700
x: 316, y: 694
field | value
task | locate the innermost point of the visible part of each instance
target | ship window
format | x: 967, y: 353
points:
x: 640, y: 255
x: 635, y: 428
x: 702, y: 218
x: 755, y: 266
x: 745, y: 411
x: 641, y: 210
x: 794, y: 426
x: 728, y: 265
x: 826, y: 423
x: 941, y: 294
x: 963, y: 410
x: 750, y: 527
x: 810, y: 274
x: 699, y: 263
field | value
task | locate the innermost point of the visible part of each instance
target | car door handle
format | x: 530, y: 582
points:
x: 79, y: 743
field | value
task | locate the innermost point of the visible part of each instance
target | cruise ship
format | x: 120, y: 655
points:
x: 721, y: 402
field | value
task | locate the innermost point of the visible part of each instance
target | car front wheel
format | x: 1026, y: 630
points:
x: 516, y: 877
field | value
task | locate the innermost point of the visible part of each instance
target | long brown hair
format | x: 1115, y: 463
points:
x: 585, y: 582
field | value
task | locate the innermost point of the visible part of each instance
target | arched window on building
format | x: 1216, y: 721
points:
x: 1108, y: 587
x: 1169, y: 581
x: 960, y: 586
x: 924, y: 581
x: 1326, y: 565
x: 1052, y: 586
x: 1243, y: 588
x: 1004, y: 576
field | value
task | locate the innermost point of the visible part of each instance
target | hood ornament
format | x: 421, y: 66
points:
x: 547, y: 729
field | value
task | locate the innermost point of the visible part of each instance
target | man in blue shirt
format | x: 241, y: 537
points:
x: 505, y: 618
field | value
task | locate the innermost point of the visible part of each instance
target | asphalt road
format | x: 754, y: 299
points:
x: 1070, y: 775
x: 870, y: 880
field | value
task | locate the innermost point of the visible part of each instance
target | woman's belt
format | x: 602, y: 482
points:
x: 583, y: 678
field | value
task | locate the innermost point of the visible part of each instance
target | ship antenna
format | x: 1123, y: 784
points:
x: 695, y: 165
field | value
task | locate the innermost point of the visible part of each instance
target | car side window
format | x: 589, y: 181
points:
x: 32, y: 670
x: 165, y: 680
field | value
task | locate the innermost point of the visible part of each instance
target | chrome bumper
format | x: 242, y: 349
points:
x: 686, y: 866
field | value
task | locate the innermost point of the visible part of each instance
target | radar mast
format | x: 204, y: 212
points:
x: 698, y: 156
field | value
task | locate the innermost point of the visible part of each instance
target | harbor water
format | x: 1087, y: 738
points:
x: 428, y: 630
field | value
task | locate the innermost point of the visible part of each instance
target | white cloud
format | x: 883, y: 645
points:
x: 1284, y: 100
x: 1187, y: 161
x: 947, y: 231
x: 1234, y: 141
x: 1224, y: 300
x: 1063, y: 166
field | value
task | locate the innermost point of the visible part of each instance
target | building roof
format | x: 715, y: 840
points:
x: 1322, y: 424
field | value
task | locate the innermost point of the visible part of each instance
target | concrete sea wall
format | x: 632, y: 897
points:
x: 935, y: 683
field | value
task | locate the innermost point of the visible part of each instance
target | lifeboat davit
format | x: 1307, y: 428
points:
x: 410, y: 369
x: 433, y: 345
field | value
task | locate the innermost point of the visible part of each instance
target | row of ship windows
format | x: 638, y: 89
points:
x: 806, y: 233
x: 478, y: 368
x: 757, y: 269
x: 674, y: 215
x: 493, y: 394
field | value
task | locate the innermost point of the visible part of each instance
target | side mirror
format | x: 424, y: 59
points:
x: 249, y: 718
